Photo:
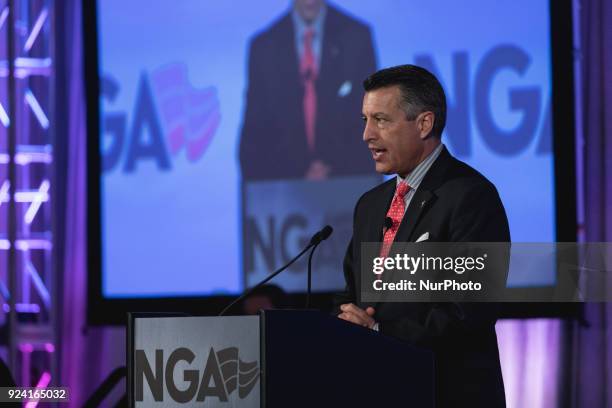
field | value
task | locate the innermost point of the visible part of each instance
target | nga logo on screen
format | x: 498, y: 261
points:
x: 169, y: 116
x: 474, y: 103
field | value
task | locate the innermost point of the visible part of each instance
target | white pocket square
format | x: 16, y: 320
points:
x: 423, y: 237
x: 345, y: 89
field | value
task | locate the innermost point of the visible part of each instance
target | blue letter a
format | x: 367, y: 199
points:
x: 145, y: 115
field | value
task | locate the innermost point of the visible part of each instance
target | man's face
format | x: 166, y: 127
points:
x: 308, y: 9
x: 394, y: 141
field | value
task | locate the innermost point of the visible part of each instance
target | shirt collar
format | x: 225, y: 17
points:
x: 416, y: 176
x: 301, y: 25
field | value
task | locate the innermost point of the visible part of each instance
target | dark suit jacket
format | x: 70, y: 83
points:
x: 273, y: 141
x: 461, y: 205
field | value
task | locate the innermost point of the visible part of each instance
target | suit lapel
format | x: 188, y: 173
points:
x: 376, y: 221
x: 286, y: 83
x: 330, y: 51
x: 287, y: 57
x: 418, y: 205
x: 379, y: 212
x: 424, y: 197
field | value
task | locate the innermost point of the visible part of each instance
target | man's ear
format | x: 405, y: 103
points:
x: 425, y: 123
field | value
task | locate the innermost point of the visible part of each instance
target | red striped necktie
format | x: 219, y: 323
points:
x: 396, y: 213
x: 308, y: 70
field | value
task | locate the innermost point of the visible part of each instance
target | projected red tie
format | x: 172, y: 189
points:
x: 396, y: 213
x: 308, y: 70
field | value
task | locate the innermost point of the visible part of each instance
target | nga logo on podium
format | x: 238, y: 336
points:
x: 222, y: 374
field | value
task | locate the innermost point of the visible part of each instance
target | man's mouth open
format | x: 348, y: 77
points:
x: 377, y: 154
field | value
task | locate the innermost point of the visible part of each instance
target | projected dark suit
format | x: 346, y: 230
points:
x: 460, y: 206
x: 273, y: 141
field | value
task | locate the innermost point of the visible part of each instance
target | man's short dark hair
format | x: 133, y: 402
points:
x: 421, y: 92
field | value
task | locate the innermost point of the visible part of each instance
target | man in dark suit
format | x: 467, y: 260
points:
x: 437, y: 196
x: 302, y: 96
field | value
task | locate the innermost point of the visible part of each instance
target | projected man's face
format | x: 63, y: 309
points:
x: 308, y: 9
x: 397, y: 144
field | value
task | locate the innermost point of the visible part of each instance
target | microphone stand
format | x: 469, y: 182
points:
x: 263, y: 282
x: 316, y: 239
x: 310, y: 275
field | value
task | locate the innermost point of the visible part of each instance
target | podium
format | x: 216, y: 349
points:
x: 279, y: 359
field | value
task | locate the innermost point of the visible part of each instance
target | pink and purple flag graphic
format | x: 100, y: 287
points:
x: 190, y: 116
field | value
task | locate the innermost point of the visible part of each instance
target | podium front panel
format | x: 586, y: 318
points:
x: 194, y: 362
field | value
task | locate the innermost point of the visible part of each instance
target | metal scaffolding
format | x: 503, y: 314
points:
x: 26, y: 184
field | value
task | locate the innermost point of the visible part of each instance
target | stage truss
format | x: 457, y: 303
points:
x: 27, y: 280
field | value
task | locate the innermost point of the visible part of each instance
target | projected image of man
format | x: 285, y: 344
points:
x: 303, y: 78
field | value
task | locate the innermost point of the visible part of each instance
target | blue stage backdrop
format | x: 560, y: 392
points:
x: 209, y: 177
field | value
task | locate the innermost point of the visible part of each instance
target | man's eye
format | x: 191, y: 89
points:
x: 381, y: 120
x: 364, y: 118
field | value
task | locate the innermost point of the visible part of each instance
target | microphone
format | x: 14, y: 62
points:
x: 388, y: 222
x: 321, y: 235
x: 316, y: 239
